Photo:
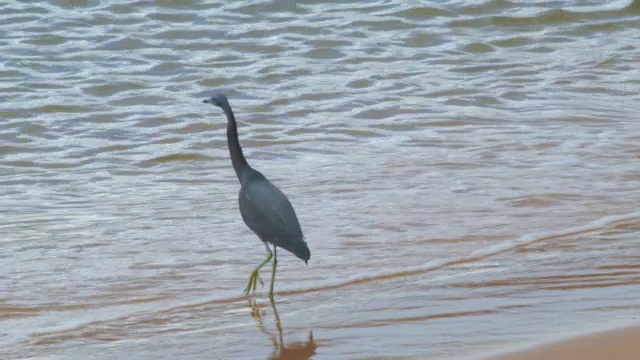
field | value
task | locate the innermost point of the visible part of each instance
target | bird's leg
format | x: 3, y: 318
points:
x: 273, y: 271
x: 255, y: 274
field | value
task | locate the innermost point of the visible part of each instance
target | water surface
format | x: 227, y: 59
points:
x: 465, y: 172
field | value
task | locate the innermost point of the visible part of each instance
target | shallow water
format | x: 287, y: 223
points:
x: 465, y: 172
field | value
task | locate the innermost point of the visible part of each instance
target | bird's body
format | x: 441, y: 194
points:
x: 264, y: 208
x: 268, y: 212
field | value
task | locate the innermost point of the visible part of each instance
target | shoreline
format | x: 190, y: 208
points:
x: 622, y: 343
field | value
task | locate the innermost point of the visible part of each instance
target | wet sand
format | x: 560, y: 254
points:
x: 619, y: 344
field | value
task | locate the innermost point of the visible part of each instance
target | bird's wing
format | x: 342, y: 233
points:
x: 268, y: 212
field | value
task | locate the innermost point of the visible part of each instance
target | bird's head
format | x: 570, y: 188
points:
x: 218, y: 99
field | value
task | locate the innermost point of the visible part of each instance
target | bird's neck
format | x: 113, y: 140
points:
x: 238, y: 160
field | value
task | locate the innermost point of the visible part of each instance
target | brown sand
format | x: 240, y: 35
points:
x: 619, y: 344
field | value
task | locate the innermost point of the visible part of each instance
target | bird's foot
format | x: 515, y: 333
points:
x: 253, y: 282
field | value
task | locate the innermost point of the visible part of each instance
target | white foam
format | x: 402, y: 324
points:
x: 484, y: 252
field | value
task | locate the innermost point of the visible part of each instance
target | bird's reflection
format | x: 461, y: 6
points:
x: 294, y: 350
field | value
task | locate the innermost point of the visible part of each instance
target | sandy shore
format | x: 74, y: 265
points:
x: 618, y: 344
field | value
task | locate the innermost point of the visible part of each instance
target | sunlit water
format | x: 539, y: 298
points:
x: 466, y: 174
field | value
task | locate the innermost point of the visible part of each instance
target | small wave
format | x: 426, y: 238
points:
x: 175, y: 157
x: 133, y: 311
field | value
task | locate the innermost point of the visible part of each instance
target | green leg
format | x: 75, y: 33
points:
x: 255, y: 274
x: 273, y: 271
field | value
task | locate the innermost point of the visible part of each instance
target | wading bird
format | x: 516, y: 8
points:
x: 264, y: 208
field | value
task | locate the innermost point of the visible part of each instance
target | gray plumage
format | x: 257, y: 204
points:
x: 268, y: 212
x: 264, y: 208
